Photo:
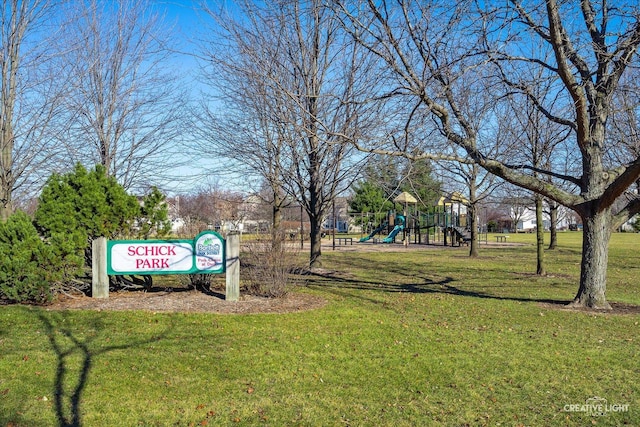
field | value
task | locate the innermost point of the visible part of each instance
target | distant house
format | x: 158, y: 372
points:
x: 629, y: 226
x: 177, y: 224
x: 526, y: 222
x: 524, y: 218
x: 338, y: 217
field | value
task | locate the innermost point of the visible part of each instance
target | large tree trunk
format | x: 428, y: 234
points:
x: 315, y: 260
x: 540, y: 270
x: 6, y: 207
x: 6, y: 165
x: 473, y: 224
x: 315, y: 207
x: 8, y: 98
x: 595, y: 254
x: 277, y: 235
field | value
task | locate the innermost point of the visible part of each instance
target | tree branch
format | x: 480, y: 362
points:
x: 619, y: 180
x: 563, y: 177
x: 631, y: 209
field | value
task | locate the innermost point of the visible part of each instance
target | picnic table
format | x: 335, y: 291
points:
x: 344, y: 240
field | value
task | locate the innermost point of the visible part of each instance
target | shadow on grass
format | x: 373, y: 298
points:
x: 206, y: 290
x: 335, y: 282
x: 69, y: 386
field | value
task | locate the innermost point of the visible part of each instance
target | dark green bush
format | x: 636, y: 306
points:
x: 154, y: 216
x: 80, y: 206
x: 75, y: 208
x: 42, y: 257
x: 86, y: 201
x: 26, y: 268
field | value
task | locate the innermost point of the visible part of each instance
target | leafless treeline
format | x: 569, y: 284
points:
x: 83, y: 82
x: 542, y: 95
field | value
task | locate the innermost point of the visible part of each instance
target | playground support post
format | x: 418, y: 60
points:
x: 406, y: 227
x: 452, y: 224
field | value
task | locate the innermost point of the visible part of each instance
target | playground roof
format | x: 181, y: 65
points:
x: 454, y: 197
x: 405, y: 197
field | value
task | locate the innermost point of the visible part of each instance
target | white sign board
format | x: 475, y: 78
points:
x: 204, y: 254
x: 151, y: 257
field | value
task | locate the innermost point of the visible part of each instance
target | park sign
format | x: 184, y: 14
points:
x: 202, y: 255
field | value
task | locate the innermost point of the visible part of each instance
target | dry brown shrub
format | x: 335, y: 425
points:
x: 266, y: 265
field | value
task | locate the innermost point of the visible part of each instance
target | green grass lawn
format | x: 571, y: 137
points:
x: 420, y: 338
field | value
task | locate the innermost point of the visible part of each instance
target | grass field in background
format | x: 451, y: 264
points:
x: 423, y: 337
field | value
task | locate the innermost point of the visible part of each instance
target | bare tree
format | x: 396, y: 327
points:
x: 587, y: 77
x: 30, y: 97
x: 539, y: 144
x: 478, y: 183
x: 209, y: 207
x: 625, y: 123
x: 427, y: 65
x: 300, y: 70
x: 587, y: 64
x: 124, y: 107
x: 478, y: 186
x: 249, y: 130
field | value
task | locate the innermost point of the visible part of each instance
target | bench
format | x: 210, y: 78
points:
x: 501, y: 238
x: 344, y: 240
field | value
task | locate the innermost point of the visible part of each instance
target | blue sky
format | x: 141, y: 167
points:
x: 187, y: 22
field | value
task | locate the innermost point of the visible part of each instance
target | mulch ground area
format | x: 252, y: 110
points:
x: 190, y: 301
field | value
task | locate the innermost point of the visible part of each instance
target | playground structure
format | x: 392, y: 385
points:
x: 399, y: 225
x: 422, y: 228
x: 446, y: 225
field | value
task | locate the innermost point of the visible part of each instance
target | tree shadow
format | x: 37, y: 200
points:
x: 65, y: 344
x: 206, y: 290
x: 336, y: 282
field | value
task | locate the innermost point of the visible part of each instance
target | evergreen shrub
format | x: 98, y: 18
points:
x: 26, y: 267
